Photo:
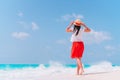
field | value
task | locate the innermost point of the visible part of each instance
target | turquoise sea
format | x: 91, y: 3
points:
x: 22, y: 66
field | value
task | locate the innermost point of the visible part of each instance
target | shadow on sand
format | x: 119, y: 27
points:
x: 94, y: 73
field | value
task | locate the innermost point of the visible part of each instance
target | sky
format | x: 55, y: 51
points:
x: 33, y: 31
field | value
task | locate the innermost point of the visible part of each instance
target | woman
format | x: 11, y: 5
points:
x: 77, y: 43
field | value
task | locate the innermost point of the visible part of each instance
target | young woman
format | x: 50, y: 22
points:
x: 77, y: 44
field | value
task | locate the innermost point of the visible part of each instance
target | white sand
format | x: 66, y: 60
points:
x: 114, y: 75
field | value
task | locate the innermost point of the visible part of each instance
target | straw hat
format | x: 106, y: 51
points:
x: 77, y: 22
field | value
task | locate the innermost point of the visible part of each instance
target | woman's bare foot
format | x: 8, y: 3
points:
x: 81, y: 72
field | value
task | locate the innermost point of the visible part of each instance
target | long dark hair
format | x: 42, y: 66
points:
x: 76, y: 28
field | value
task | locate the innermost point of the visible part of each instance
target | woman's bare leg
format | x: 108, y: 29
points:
x: 79, y: 66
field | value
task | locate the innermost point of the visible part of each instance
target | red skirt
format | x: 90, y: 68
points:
x: 77, y: 49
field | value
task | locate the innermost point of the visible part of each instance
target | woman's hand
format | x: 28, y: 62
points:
x: 72, y: 22
x: 69, y: 26
x: 86, y: 28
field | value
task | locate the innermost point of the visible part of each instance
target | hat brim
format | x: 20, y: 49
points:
x: 77, y: 24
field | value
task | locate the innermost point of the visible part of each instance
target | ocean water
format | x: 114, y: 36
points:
x: 37, y: 71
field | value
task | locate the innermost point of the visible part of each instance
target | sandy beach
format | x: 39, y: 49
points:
x: 103, y: 71
x: 114, y: 75
x: 55, y: 74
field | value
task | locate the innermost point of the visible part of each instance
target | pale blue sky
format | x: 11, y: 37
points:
x: 33, y: 31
